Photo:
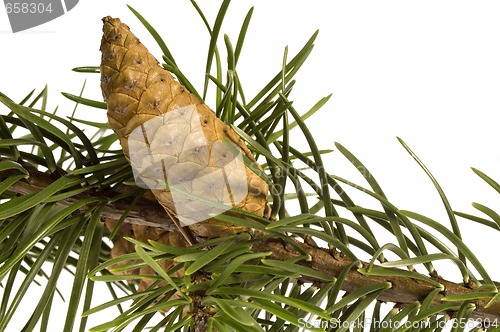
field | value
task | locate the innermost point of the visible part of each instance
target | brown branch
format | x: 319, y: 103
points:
x: 404, y: 290
x: 148, y: 212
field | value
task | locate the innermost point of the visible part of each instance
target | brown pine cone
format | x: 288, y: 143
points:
x: 176, y: 145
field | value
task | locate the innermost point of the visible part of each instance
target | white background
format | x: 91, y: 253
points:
x: 426, y: 71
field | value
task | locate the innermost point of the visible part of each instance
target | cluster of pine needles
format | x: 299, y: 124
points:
x: 58, y: 182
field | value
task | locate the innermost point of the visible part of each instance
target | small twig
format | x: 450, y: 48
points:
x: 146, y: 212
x: 404, y: 291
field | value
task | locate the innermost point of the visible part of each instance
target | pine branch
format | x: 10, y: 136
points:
x: 215, y: 260
x: 147, y: 212
x: 404, y: 290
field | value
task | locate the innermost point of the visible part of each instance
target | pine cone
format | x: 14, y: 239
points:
x: 176, y: 145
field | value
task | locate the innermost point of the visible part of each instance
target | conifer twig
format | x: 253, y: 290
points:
x: 404, y: 290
